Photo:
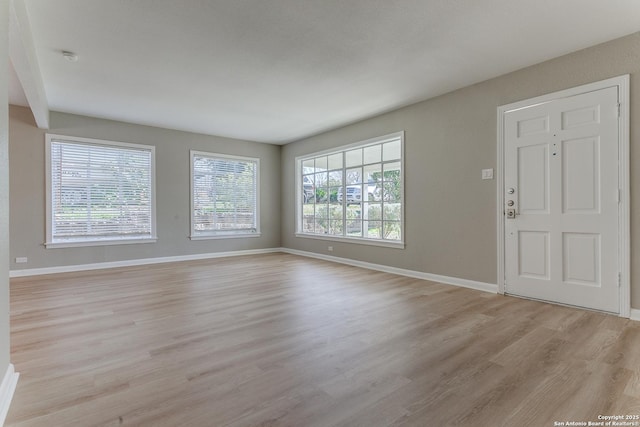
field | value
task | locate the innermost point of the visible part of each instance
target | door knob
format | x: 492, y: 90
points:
x: 510, y: 203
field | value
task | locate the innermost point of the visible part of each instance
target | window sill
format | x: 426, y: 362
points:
x: 225, y: 236
x: 81, y: 243
x: 356, y: 240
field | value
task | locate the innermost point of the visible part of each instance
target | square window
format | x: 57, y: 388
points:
x: 224, y: 196
x: 99, y: 192
x: 359, y: 192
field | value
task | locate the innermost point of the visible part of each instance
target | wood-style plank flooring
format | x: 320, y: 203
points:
x: 281, y: 340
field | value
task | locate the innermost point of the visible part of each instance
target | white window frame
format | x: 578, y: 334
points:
x: 226, y: 234
x: 399, y: 244
x: 68, y: 243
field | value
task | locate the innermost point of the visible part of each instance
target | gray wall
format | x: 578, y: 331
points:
x: 450, y: 212
x: 4, y: 189
x: 172, y: 187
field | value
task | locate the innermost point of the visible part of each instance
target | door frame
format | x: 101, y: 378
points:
x: 624, y: 213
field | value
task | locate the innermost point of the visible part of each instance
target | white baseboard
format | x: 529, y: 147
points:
x: 135, y: 262
x: 465, y: 283
x: 472, y: 284
x: 6, y: 391
x: 481, y: 286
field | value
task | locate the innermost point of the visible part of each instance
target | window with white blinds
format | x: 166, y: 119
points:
x: 99, y: 192
x: 224, y: 196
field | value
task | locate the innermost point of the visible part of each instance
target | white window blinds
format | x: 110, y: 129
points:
x: 100, y: 192
x: 224, y: 194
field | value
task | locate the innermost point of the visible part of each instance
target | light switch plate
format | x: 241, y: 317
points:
x: 21, y: 259
x: 487, y: 173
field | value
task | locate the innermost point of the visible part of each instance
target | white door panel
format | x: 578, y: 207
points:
x: 581, y: 175
x: 561, y: 160
x: 533, y: 161
x: 581, y: 258
x: 534, y: 254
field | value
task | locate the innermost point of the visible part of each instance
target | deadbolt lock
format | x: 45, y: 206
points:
x: 511, y: 213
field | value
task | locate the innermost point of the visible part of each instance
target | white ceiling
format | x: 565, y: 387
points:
x: 279, y: 70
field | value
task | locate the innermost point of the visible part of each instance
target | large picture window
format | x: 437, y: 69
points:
x: 354, y: 192
x: 99, y: 192
x: 224, y: 196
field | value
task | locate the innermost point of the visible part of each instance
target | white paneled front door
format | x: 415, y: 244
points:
x: 561, y: 195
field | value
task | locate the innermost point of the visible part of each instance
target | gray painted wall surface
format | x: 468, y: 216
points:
x: 450, y: 212
x: 27, y: 145
x: 4, y: 189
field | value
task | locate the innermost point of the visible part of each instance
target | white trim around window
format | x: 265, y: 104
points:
x: 356, y: 193
x: 93, y: 164
x: 230, y: 183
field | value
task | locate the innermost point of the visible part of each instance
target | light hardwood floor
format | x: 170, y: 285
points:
x: 281, y: 340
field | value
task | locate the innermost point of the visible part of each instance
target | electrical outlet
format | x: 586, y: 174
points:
x: 487, y: 173
x: 21, y: 259
x: 330, y: 248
